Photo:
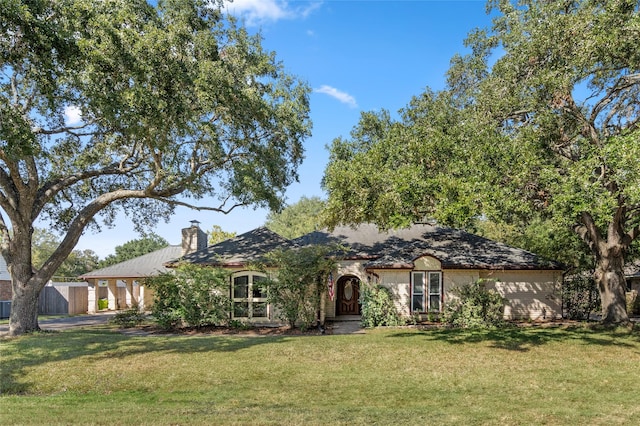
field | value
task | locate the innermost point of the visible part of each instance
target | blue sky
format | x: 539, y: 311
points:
x: 356, y: 55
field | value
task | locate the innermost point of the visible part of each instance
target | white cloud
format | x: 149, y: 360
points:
x: 343, y: 97
x: 258, y: 11
x: 72, y: 115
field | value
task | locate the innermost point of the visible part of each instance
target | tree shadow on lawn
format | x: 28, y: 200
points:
x: 98, y: 343
x: 522, y: 339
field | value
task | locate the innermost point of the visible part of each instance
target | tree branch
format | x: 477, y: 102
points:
x: 219, y: 209
x: 589, y: 130
x: 14, y: 187
x: 50, y: 189
x: 588, y: 232
x: 63, y: 129
x: 624, y: 83
x: 79, y: 223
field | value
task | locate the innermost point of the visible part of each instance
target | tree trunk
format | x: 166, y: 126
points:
x: 26, y: 285
x: 609, y: 252
x: 609, y: 276
x: 24, y: 306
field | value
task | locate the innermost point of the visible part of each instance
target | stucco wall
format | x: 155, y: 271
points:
x: 350, y: 267
x: 398, y: 283
x: 532, y: 295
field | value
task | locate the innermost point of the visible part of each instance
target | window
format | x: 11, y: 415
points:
x: 249, y: 299
x: 418, y: 292
x: 426, y: 291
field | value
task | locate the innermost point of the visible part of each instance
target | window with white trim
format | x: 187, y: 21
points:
x: 249, y: 299
x: 426, y: 291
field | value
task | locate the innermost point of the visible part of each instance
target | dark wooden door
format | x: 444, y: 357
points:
x: 348, y: 295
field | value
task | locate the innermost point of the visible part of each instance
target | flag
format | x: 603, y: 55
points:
x: 331, y: 288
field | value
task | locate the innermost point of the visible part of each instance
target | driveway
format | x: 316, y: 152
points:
x: 64, y: 323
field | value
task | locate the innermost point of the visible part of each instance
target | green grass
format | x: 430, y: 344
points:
x: 397, y: 376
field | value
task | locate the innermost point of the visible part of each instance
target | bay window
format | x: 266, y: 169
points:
x: 249, y: 299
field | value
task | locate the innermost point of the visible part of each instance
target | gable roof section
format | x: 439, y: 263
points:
x: 249, y: 247
x: 455, y: 249
x: 147, y: 265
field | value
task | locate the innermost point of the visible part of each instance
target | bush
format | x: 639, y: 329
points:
x: 475, y: 307
x: 378, y: 308
x: 129, y: 318
x: 297, y: 286
x: 192, y: 296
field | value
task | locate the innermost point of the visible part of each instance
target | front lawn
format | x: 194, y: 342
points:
x: 395, y: 376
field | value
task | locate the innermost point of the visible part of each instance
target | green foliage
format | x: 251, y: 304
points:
x: 474, y: 307
x: 191, y: 296
x: 135, y: 248
x: 580, y: 296
x: 240, y: 325
x: 217, y: 235
x: 297, y: 219
x: 393, y: 173
x: 544, y: 237
x: 297, y: 285
x: 378, y: 308
x: 78, y: 262
x: 128, y: 318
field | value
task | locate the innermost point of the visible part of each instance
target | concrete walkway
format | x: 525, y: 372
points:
x: 347, y: 325
x: 64, y: 323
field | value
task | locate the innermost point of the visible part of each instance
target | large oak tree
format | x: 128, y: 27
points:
x: 121, y: 105
x: 540, y: 122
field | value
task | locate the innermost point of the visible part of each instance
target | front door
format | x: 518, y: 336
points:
x: 348, y: 296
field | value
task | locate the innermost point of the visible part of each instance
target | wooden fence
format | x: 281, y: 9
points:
x: 63, y: 300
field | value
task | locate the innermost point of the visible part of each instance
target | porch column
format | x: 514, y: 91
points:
x: 128, y: 298
x: 323, y: 308
x: 112, y: 296
x: 146, y: 297
x: 135, y: 294
x: 92, y: 307
x: 142, y: 302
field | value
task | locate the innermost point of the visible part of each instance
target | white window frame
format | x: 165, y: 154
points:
x: 423, y: 279
x: 250, y: 299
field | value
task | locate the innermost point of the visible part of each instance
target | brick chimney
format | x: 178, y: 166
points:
x: 193, y: 238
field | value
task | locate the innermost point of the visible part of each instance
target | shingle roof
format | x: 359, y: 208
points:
x: 249, y: 247
x: 455, y: 249
x: 147, y: 265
